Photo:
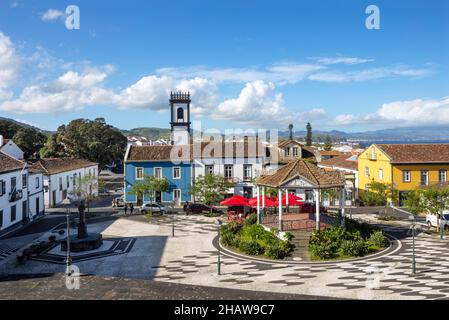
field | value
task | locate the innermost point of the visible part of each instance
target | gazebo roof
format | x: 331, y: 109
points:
x: 306, y: 170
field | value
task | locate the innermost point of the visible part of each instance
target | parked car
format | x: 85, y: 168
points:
x: 310, y: 208
x: 199, y: 208
x: 120, y: 201
x: 153, y: 207
x: 434, y: 221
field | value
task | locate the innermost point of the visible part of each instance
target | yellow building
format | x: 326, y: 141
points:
x: 405, y: 166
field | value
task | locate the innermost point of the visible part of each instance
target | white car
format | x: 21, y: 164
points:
x: 433, y: 220
x: 152, y: 207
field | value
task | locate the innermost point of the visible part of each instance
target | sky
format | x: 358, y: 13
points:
x: 247, y: 63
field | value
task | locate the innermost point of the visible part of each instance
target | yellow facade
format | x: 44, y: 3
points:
x: 375, y: 159
x: 373, y: 165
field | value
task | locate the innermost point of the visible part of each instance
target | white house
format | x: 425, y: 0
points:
x: 61, y: 175
x: 36, y: 204
x: 13, y: 191
x: 7, y: 146
x: 238, y: 162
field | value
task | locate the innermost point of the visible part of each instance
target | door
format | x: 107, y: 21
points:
x: 24, y: 211
x: 177, y: 197
x: 37, y: 206
x: 158, y: 197
x: 53, y: 199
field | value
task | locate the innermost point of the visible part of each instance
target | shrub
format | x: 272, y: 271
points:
x: 288, y: 236
x: 323, y: 250
x: 252, y: 219
x: 354, y: 248
x: 378, y: 239
x: 279, y: 250
x: 250, y: 247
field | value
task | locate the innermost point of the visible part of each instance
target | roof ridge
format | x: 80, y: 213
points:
x: 313, y: 175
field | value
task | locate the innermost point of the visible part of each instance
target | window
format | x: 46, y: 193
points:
x: 139, y: 173
x: 381, y: 174
x: 247, y: 172
x: 177, y: 173
x: 2, y: 187
x: 158, y: 173
x: 13, y: 213
x: 366, y: 172
x: 406, y: 176
x: 60, y: 183
x: 442, y: 175
x: 24, y: 180
x: 180, y: 114
x: 90, y: 172
x: 287, y: 152
x: 373, y: 153
x: 74, y: 179
x: 228, y: 172
x: 13, y: 184
x: 424, y: 177
x: 177, y: 195
x: 37, y: 182
x: 209, y: 170
x: 1, y: 218
x: 295, y: 151
x: 309, y: 195
x: 67, y: 181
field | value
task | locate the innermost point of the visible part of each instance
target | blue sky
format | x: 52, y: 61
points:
x: 247, y: 63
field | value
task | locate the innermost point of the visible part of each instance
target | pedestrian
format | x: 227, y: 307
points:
x: 113, y: 204
x: 131, y: 208
x: 126, y: 209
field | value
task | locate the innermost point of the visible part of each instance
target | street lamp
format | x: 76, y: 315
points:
x: 219, y: 223
x: 172, y: 209
x: 412, y: 218
x: 66, y: 203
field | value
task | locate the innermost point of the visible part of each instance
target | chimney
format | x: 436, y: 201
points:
x: 1, y: 140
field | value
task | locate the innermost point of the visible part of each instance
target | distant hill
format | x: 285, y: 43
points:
x: 11, y: 124
x: 150, y: 133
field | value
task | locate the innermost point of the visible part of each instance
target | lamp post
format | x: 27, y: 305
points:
x: 66, y: 204
x: 219, y: 223
x: 412, y: 218
x: 172, y: 209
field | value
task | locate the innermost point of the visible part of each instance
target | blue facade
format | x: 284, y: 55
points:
x: 183, y: 183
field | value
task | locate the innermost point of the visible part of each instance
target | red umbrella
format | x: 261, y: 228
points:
x: 235, y: 201
x: 292, y: 200
x: 268, y: 202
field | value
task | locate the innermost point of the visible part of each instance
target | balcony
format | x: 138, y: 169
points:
x: 15, y: 196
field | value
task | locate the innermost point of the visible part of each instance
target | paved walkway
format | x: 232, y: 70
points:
x: 190, y: 258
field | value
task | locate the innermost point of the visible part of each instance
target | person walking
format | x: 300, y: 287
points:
x: 131, y: 208
x: 126, y: 209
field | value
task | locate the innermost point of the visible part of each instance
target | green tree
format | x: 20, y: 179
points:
x: 290, y: 129
x: 210, y: 189
x: 328, y: 143
x: 386, y: 193
x: 29, y: 140
x: 86, y: 188
x: 8, y: 128
x: 149, y: 186
x: 86, y: 139
x: 309, y: 134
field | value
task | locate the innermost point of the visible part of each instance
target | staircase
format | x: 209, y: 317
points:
x: 301, y: 242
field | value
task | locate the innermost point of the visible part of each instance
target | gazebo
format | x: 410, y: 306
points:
x: 300, y: 175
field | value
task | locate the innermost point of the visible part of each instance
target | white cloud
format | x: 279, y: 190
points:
x: 370, y: 74
x: 52, y: 14
x: 341, y: 60
x: 14, y: 4
x: 71, y: 91
x: 259, y: 104
x: 403, y: 113
x: 9, y: 66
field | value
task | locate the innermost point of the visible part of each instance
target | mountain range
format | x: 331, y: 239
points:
x: 412, y: 134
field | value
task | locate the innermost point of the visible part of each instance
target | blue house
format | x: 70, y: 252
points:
x: 160, y: 162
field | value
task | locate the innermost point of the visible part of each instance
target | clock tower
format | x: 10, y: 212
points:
x: 180, y: 117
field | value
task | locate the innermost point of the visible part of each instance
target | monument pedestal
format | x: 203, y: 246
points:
x: 91, y: 242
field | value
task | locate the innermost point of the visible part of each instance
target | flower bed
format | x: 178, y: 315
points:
x: 252, y: 239
x: 356, y: 240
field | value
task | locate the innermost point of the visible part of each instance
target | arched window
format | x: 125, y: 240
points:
x: 180, y: 113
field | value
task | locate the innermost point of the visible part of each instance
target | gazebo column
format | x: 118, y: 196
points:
x: 280, y: 208
x: 263, y: 197
x: 317, y: 208
x: 286, y: 200
x: 342, y: 206
x: 258, y: 204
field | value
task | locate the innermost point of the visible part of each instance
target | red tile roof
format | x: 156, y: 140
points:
x: 343, y: 161
x: 417, y: 153
x: 57, y: 165
x: 8, y: 163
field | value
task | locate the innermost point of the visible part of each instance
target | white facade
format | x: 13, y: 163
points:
x: 243, y: 184
x: 59, y: 185
x: 35, y: 194
x: 13, y: 211
x: 11, y: 149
